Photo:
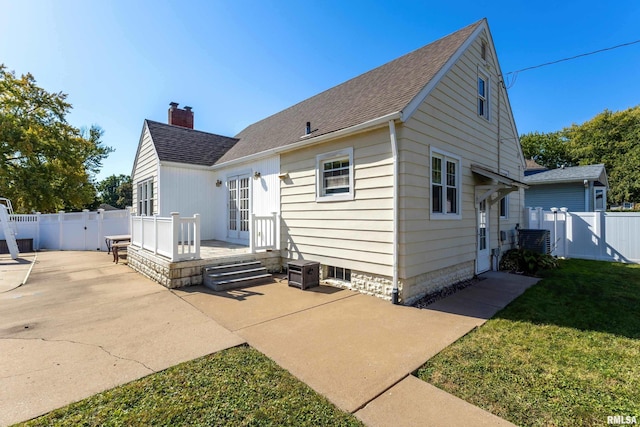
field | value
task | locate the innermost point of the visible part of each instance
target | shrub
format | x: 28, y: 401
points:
x: 527, y: 262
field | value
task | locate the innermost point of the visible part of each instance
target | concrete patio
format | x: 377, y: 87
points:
x: 82, y: 324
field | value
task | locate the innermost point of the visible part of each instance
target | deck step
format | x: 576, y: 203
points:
x: 232, y: 267
x: 233, y: 276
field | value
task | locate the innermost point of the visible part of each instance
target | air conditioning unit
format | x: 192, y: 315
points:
x: 535, y: 240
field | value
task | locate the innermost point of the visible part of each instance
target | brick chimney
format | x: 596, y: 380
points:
x: 180, y: 117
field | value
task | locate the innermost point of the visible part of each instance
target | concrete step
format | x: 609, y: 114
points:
x: 237, y: 273
x: 231, y: 276
x: 215, y: 269
x: 224, y: 285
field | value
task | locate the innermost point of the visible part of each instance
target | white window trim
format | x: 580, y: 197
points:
x: 604, y: 198
x: 487, y: 97
x: 320, y: 160
x: 146, y: 202
x: 445, y: 156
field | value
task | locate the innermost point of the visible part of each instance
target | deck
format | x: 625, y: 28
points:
x: 189, y: 272
x: 214, y: 249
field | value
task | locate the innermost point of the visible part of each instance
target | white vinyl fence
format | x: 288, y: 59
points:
x: 72, y: 231
x: 606, y: 236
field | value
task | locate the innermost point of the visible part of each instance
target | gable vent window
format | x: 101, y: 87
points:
x: 483, y: 95
x: 145, y: 198
x: 483, y: 51
x: 339, y: 273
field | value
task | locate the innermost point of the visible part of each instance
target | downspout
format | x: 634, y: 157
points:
x: 394, y: 153
x: 497, y: 257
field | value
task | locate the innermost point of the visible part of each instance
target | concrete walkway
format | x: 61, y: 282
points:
x: 15, y: 272
x: 359, y: 351
x: 83, y: 324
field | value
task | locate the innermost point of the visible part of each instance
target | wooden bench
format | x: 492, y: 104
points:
x: 116, y: 247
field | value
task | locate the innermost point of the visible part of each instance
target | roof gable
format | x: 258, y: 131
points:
x: 384, y: 90
x: 189, y: 146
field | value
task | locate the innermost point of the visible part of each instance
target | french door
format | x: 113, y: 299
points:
x: 238, y: 207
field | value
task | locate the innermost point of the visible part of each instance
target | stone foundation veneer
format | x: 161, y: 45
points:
x: 423, y: 284
x: 410, y: 290
x: 189, y: 273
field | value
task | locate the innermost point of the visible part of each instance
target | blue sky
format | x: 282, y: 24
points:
x: 236, y: 62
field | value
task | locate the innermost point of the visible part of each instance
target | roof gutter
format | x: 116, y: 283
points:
x: 184, y: 165
x: 377, y: 122
x: 394, y: 152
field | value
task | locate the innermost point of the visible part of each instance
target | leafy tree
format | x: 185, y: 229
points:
x: 611, y: 138
x: 116, y: 190
x: 547, y: 149
x: 45, y: 163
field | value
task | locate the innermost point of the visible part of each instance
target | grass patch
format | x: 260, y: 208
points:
x: 238, y: 386
x: 566, y: 352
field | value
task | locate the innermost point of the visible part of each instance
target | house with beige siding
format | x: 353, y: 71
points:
x: 401, y: 181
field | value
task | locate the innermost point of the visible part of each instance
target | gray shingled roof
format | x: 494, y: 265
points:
x: 381, y: 91
x: 182, y: 145
x: 569, y: 174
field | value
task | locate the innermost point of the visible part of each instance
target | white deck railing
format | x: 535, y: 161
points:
x: 171, y: 237
x: 264, y: 232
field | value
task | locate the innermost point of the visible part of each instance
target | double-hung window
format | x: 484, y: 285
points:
x: 445, y: 185
x: 334, y: 176
x: 145, y: 197
x: 483, y: 95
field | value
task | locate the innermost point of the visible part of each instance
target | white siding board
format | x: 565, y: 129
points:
x: 338, y: 224
x: 189, y: 192
x: 328, y: 215
x: 146, y: 167
x: 367, y: 204
x: 354, y: 234
x: 448, y: 120
x: 314, y: 251
x: 328, y: 242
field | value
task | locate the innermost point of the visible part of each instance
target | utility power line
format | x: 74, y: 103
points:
x: 515, y: 73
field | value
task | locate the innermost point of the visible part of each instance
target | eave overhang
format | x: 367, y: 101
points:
x: 498, y: 189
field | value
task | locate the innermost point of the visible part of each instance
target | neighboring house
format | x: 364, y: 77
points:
x: 577, y: 188
x: 400, y: 181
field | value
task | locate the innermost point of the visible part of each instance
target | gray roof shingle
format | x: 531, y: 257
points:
x: 182, y: 145
x: 376, y: 93
x: 569, y: 174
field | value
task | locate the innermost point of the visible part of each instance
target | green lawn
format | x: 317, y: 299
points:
x: 238, y: 386
x: 567, y: 352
